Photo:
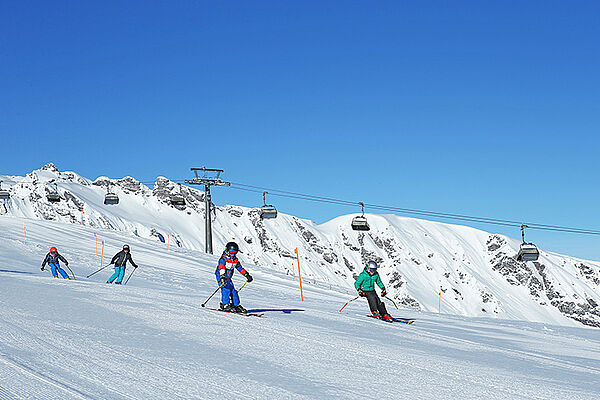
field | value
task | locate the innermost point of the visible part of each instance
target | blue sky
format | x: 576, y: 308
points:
x: 483, y: 108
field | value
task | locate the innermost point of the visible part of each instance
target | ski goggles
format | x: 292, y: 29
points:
x: 369, y: 269
x: 232, y: 252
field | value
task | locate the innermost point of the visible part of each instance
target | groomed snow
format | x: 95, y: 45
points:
x: 151, y: 339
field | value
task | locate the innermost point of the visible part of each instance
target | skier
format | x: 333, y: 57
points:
x: 365, y: 284
x: 230, y: 301
x: 120, y: 259
x: 53, y: 260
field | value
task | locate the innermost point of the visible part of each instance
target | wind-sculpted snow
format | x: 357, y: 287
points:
x: 475, y: 271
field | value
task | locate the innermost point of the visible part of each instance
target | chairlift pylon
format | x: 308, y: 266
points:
x: 110, y: 198
x: 527, y: 251
x: 53, y: 197
x: 177, y: 199
x: 359, y: 223
x: 267, y: 211
x: 4, y: 194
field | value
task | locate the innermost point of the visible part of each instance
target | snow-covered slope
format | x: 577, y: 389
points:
x: 474, y: 270
x: 151, y: 339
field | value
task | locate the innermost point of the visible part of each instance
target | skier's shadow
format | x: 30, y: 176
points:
x: 16, y: 272
x: 283, y: 310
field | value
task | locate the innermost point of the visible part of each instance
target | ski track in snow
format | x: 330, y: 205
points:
x: 151, y: 339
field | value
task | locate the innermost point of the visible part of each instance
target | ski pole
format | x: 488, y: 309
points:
x: 393, y: 302
x: 349, y: 301
x: 94, y: 273
x: 129, y: 277
x: 210, y: 297
x: 72, y: 273
x: 245, y: 283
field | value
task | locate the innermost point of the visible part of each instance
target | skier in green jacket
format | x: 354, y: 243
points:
x: 365, y: 284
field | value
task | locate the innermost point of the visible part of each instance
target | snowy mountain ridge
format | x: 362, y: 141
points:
x: 474, y: 270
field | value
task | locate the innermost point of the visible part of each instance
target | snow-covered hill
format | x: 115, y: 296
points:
x: 475, y: 271
x: 151, y: 339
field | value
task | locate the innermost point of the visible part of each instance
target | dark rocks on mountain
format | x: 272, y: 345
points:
x: 50, y: 167
x: 330, y: 257
x: 486, y: 297
x: 457, y: 293
x: 70, y: 198
x: 396, y: 280
x: 588, y: 273
x: 410, y: 302
x: 234, y: 211
x: 348, y: 264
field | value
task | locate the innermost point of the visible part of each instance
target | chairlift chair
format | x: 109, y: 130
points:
x: 267, y: 211
x: 177, y: 199
x: 4, y: 194
x: 110, y: 198
x: 53, y: 197
x: 359, y: 223
x: 527, y: 251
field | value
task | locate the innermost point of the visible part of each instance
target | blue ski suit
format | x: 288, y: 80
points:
x: 53, y: 260
x: 225, y: 268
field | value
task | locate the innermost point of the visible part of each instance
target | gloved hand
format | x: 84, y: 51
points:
x: 383, y: 292
x: 249, y: 278
x: 67, y: 263
x: 361, y: 293
x: 223, y: 280
x: 135, y: 266
x: 42, y: 268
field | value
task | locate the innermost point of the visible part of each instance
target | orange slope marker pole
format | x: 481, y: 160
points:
x: 25, y: 233
x: 299, y: 275
x: 102, y: 255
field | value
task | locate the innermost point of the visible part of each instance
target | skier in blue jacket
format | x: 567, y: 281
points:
x: 230, y: 301
x: 53, y: 260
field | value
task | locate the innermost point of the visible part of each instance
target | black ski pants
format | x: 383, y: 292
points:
x: 375, y: 303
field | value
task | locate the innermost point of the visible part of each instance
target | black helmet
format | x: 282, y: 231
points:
x: 232, y: 246
x: 125, y: 247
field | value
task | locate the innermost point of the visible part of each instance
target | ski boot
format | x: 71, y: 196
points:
x: 56, y: 276
x: 239, y: 309
x: 68, y: 278
x: 118, y: 283
x: 387, y: 318
x: 226, y: 307
x: 375, y: 314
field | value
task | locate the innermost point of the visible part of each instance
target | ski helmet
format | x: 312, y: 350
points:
x: 53, y: 250
x: 232, y: 246
x: 125, y: 247
x: 371, y: 266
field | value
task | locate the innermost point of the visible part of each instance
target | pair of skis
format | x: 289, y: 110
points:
x: 246, y: 314
x: 401, y: 320
x: 408, y: 321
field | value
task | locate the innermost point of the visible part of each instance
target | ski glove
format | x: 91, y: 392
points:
x: 383, y: 292
x: 67, y: 263
x: 42, y: 268
x: 223, y: 280
x: 249, y: 277
x: 361, y: 293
